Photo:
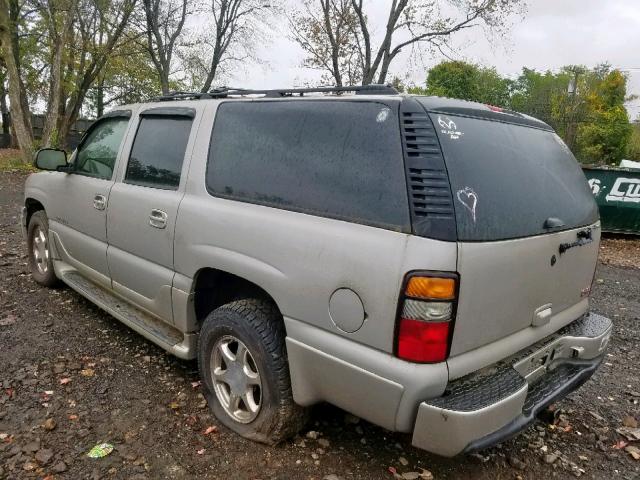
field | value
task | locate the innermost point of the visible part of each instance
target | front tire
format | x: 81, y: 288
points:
x: 39, y: 253
x: 244, y: 370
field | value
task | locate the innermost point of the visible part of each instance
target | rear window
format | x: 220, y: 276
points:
x: 337, y: 159
x: 507, y: 180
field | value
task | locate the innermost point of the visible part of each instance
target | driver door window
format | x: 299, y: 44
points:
x: 97, y: 154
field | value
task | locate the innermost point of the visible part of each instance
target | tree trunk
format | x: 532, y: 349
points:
x: 100, y: 98
x: 164, y: 84
x: 50, y: 134
x: 4, y: 111
x: 20, y: 114
x: 211, y: 75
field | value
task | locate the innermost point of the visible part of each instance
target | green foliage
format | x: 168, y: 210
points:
x: 11, y: 161
x: 633, y: 149
x: 591, y: 118
x: 538, y: 94
x: 128, y: 77
x: 605, y: 138
x: 469, y: 82
x: 603, y: 134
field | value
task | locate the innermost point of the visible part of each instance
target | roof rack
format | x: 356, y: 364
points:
x: 224, y: 92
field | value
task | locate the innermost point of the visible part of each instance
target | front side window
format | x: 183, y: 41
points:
x: 338, y: 159
x: 158, y: 152
x: 97, y: 154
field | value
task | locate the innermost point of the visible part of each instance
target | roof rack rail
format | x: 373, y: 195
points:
x: 223, y: 92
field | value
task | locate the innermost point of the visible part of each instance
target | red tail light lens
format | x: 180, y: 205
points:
x: 425, y: 319
x: 423, y: 342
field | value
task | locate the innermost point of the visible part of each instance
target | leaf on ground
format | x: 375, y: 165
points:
x: 64, y: 381
x: 195, y: 384
x: 100, y: 450
x: 201, y: 451
x: 633, y: 451
x: 211, y: 429
x: 174, y: 405
x: 629, y: 433
x: 87, y: 372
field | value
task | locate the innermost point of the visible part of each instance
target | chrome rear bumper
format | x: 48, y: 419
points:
x: 491, y: 405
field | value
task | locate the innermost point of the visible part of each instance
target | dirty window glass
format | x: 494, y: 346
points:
x: 96, y: 156
x: 158, y: 152
x: 338, y: 159
x: 507, y: 180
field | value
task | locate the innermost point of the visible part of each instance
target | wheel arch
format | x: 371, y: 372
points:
x: 32, y: 205
x: 212, y: 288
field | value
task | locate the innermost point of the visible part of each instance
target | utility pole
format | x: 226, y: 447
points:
x: 572, y: 90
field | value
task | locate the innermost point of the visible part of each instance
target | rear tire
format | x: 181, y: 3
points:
x: 39, y: 253
x: 244, y: 371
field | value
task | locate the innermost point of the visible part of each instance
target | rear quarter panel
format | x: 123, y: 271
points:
x: 300, y: 259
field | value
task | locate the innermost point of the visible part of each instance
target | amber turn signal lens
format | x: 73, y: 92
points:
x: 432, y: 288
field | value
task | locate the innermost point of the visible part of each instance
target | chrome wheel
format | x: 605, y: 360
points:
x: 236, y: 379
x: 40, y: 250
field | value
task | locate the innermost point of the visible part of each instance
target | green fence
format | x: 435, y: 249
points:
x: 617, y: 192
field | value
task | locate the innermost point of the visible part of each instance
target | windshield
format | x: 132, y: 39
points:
x: 511, y: 181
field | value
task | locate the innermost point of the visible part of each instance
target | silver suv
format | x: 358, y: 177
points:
x: 421, y: 262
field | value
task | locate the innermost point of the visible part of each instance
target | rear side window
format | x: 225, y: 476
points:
x: 336, y: 159
x: 507, y: 180
x: 158, y: 152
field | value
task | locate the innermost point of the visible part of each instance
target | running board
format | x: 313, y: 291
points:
x: 159, y: 332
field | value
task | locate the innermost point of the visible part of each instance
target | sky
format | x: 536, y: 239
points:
x: 552, y: 33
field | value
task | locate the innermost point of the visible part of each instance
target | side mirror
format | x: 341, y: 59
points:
x: 50, y: 159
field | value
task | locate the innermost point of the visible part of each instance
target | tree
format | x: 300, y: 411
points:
x: 236, y: 24
x: 327, y: 36
x: 537, y: 94
x: 58, y: 18
x: 604, y: 137
x: 409, y: 24
x: 633, y: 149
x: 164, y: 23
x: 10, y: 16
x: 100, y: 27
x: 129, y: 76
x: 457, y: 79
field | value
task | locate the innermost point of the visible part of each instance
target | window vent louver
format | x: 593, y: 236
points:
x: 429, y: 189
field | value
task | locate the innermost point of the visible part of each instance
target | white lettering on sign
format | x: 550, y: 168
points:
x: 594, y: 183
x: 625, y: 190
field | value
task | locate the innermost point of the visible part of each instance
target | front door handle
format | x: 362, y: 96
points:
x: 158, y: 218
x: 99, y: 202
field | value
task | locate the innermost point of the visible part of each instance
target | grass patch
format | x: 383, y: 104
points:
x: 11, y: 161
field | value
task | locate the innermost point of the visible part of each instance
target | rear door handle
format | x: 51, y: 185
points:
x: 99, y: 202
x: 158, y: 218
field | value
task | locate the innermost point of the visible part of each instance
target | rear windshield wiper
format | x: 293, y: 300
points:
x: 584, y: 237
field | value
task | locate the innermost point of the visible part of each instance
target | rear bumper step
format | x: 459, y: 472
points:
x: 562, y: 381
x: 494, y: 404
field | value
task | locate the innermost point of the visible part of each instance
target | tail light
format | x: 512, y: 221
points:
x: 425, y: 319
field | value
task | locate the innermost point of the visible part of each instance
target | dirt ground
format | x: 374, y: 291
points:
x: 71, y: 377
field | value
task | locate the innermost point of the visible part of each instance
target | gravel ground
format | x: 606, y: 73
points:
x: 71, y: 376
